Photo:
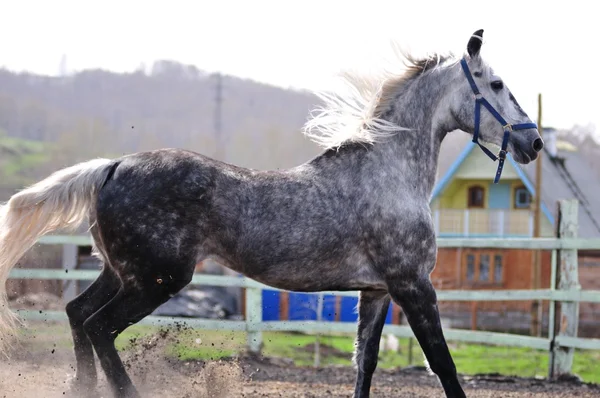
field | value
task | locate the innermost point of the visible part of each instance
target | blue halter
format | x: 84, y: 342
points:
x: 507, y: 127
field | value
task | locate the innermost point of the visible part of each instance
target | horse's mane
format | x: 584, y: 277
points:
x: 355, y: 116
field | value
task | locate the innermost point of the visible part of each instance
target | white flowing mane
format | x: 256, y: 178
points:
x: 352, y: 117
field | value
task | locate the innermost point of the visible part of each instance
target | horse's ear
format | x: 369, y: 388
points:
x: 475, y: 43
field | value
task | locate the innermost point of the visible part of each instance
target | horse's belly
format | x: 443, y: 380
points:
x: 314, y: 277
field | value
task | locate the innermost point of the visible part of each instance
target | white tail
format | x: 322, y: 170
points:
x: 60, y: 201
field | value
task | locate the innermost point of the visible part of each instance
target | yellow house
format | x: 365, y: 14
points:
x: 466, y: 203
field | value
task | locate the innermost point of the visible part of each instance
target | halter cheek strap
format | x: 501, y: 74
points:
x: 507, y: 127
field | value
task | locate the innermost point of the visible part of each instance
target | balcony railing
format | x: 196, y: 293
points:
x: 483, y: 223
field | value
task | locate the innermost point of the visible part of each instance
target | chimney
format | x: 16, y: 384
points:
x: 550, y: 141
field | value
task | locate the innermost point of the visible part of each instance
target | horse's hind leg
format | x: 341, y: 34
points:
x: 419, y: 302
x: 138, y: 297
x: 80, y: 309
x: 372, y: 310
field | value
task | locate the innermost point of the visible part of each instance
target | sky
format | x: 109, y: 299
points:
x: 534, y: 46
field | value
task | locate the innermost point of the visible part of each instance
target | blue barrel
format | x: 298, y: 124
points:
x: 303, y: 307
x: 271, y: 305
x: 349, y: 310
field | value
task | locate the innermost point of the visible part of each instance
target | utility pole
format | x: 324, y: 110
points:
x: 536, y: 310
x: 218, y: 125
x: 62, y: 69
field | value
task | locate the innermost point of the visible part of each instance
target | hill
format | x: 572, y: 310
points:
x: 97, y: 112
x: 52, y: 122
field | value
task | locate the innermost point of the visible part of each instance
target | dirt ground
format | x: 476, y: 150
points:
x: 40, y: 370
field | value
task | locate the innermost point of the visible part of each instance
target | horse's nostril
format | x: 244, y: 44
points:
x: 538, y: 145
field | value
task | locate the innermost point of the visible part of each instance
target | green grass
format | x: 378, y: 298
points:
x: 21, y: 145
x: 20, y: 156
x: 336, y: 350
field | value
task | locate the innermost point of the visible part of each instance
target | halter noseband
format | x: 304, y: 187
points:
x: 507, y: 127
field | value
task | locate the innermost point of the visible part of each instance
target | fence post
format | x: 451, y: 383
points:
x: 568, y: 279
x: 320, y: 299
x: 69, y: 262
x: 253, y: 319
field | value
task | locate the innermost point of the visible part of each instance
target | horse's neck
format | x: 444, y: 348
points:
x: 413, y: 154
x: 406, y: 161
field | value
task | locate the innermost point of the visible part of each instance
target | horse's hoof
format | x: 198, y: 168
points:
x: 80, y: 393
x: 81, y: 390
x: 129, y: 392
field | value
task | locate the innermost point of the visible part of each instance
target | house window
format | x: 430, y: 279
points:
x: 522, y: 198
x: 483, y: 267
x: 470, y: 267
x: 497, y: 268
x: 476, y: 196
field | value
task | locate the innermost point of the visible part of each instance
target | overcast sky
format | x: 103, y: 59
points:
x: 534, y: 46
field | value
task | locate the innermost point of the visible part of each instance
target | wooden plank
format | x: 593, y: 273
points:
x: 69, y: 264
x: 309, y: 326
x: 552, y: 311
x: 577, y: 342
x: 494, y: 295
x: 587, y: 296
x: 254, y: 319
x: 592, y: 296
x: 568, y: 280
x: 520, y: 243
x: 493, y: 338
x: 243, y: 303
x: 498, y: 243
x: 552, y: 306
x: 197, y: 323
x: 500, y: 339
x: 396, y: 310
x: 474, y: 315
x: 60, y: 274
x: 338, y: 308
x: 284, y: 306
x: 78, y: 240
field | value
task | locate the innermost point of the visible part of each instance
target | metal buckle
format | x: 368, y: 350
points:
x: 508, y: 127
x: 502, y: 154
x: 478, y: 96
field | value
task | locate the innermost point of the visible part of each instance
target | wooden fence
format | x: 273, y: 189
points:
x: 564, y: 295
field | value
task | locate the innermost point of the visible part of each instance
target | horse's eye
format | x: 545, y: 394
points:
x: 497, y: 85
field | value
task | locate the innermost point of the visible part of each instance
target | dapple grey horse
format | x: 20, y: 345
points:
x: 356, y: 217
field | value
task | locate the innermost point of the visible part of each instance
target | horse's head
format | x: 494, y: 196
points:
x: 484, y: 106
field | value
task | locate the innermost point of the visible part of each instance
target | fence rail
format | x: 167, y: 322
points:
x: 472, y: 243
x: 589, y: 296
x: 565, y: 289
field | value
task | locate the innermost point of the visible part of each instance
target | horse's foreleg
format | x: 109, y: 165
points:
x: 78, y: 311
x: 372, y: 310
x: 419, y: 302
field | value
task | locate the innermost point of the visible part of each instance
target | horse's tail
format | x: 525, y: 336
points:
x: 60, y: 201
